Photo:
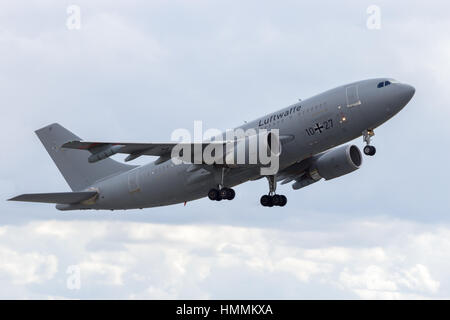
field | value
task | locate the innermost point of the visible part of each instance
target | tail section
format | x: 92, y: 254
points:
x: 74, y: 164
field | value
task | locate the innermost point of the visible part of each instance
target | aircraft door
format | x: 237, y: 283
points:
x: 349, y: 112
x: 352, y: 96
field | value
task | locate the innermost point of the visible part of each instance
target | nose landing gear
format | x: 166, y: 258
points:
x: 273, y: 199
x: 368, y: 149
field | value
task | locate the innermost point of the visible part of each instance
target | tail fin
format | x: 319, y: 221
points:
x: 73, y: 164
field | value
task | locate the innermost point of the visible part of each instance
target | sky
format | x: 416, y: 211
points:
x: 137, y: 70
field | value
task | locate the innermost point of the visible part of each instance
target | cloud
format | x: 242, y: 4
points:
x: 23, y: 268
x: 418, y: 277
x: 302, y: 269
x: 372, y: 278
x: 146, y: 260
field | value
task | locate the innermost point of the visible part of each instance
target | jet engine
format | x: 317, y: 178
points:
x: 330, y: 165
x: 337, y: 162
x: 255, y: 149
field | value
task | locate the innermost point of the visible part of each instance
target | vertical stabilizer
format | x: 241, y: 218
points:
x: 73, y: 164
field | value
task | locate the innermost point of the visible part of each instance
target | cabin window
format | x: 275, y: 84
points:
x: 380, y: 85
x: 386, y: 83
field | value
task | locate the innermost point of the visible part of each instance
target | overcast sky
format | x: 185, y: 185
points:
x: 136, y: 70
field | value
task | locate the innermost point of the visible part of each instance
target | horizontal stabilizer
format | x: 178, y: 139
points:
x: 60, y: 197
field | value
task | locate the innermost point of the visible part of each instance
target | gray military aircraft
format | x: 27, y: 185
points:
x: 310, y: 133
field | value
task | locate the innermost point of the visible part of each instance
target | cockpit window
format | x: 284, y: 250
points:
x: 380, y: 85
x: 386, y: 83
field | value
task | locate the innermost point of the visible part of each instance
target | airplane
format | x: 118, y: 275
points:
x: 312, y: 134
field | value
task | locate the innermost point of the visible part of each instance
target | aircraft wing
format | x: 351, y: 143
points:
x: 61, y: 197
x: 293, y: 172
x: 102, y: 150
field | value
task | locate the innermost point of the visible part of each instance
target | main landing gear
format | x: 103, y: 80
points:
x: 272, y: 199
x: 368, y: 149
x: 221, y: 194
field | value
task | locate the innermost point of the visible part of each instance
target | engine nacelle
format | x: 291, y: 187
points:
x: 253, y: 149
x: 336, y: 163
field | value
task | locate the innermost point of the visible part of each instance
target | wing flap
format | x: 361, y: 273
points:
x: 59, y: 197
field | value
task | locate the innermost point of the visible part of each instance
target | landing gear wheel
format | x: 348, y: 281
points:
x: 213, y: 194
x: 227, y: 193
x: 223, y: 193
x: 266, y: 201
x: 369, y: 150
x: 276, y: 200
x: 231, y: 194
x: 283, y: 201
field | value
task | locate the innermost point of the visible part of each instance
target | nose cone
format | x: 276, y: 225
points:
x: 402, y: 94
x: 407, y: 92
